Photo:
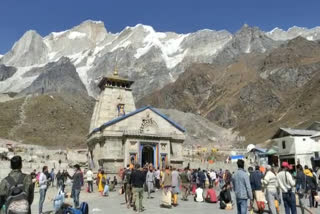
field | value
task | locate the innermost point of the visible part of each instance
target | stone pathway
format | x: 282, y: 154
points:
x: 115, y: 204
x: 22, y: 117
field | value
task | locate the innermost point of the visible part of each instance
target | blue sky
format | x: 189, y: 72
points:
x: 182, y: 16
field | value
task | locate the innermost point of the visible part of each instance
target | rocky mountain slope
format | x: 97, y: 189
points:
x: 255, y: 94
x: 59, y: 77
x: 201, y: 131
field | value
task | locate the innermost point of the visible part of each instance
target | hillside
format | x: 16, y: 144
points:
x: 58, y: 120
x: 255, y: 95
x: 53, y: 120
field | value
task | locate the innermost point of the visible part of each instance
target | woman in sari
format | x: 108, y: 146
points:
x: 102, y: 181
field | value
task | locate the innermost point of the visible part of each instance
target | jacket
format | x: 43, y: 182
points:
x: 301, y: 182
x: 167, y: 179
x: 77, y: 180
x: 270, y: 181
x: 150, y: 177
x: 184, y: 178
x: 241, y: 184
x: 138, y: 178
x: 255, y: 180
x: 285, y: 181
x: 175, y: 178
x: 43, y: 181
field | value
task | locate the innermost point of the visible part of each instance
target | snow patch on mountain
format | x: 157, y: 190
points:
x: 56, y: 35
x: 123, y: 44
x: 76, y: 35
x: 170, y: 49
x: 18, y: 82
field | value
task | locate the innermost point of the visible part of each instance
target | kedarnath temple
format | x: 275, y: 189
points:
x: 121, y: 134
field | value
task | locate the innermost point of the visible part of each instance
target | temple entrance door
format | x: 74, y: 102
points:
x: 147, y: 155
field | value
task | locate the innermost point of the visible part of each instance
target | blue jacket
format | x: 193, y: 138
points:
x: 241, y: 185
x: 255, y: 180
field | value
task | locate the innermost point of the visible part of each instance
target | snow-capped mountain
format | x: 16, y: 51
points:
x: 153, y: 59
x: 293, y: 32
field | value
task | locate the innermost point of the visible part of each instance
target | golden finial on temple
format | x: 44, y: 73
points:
x: 115, y: 73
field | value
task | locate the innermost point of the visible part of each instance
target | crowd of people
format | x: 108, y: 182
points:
x: 17, y: 189
x: 173, y: 181
x: 265, y: 188
x: 265, y: 185
x: 257, y: 189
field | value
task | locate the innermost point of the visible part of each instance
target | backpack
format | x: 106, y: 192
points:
x: 127, y: 176
x: 103, y: 180
x: 17, y: 200
x: 84, y: 207
x: 71, y: 210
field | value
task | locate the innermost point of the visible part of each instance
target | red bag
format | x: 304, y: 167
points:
x: 194, y: 187
x: 261, y: 205
x: 260, y: 198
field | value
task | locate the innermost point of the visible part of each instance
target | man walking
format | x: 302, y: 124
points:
x: 185, y: 183
x: 167, y: 188
x: 43, y: 185
x: 52, y: 175
x: 138, y: 178
x: 286, y: 183
x: 157, y: 178
x: 76, y: 185
x: 213, y: 177
x: 16, y: 177
x: 175, y: 186
x: 201, y: 178
x: 242, y: 188
x: 271, y: 183
x: 127, y: 185
x: 89, y: 175
x: 150, y: 180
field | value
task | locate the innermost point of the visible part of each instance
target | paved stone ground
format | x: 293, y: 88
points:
x: 115, y: 204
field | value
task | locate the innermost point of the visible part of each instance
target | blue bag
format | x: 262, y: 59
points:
x: 71, y: 210
x: 84, y: 207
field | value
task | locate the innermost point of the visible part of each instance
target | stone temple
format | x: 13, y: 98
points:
x: 120, y: 134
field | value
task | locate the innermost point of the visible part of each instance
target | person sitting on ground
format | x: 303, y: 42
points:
x: 225, y: 196
x: 211, y: 196
x: 111, y: 186
x: 115, y: 181
x: 199, y: 194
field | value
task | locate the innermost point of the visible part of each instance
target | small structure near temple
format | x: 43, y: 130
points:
x: 298, y: 146
x: 120, y: 134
